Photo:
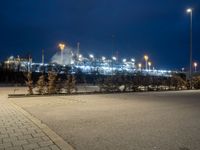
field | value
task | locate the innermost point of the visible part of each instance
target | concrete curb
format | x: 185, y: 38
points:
x: 63, y: 145
x: 84, y: 93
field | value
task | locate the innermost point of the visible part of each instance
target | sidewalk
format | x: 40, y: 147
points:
x: 21, y: 131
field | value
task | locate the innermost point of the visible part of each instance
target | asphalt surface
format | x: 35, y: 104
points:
x: 134, y: 121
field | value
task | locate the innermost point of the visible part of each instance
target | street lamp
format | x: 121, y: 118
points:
x: 114, y: 58
x: 195, y: 66
x: 189, y: 11
x: 62, y: 47
x: 123, y: 65
x: 91, y: 56
x: 149, y: 64
x: 140, y: 66
x: 93, y: 63
x: 146, y: 60
x: 80, y: 57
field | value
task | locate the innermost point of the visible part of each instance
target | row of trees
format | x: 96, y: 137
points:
x: 137, y: 83
x: 51, y: 84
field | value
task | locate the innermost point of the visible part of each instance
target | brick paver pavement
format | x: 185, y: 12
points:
x: 19, y: 132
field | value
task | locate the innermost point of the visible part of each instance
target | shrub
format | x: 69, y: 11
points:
x: 178, y: 82
x: 59, y: 85
x: 196, y: 82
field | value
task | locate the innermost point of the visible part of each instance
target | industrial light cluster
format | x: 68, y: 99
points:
x: 87, y: 65
x: 67, y: 58
x: 102, y: 64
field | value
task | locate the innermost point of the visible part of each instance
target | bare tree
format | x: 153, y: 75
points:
x: 29, y: 83
x: 52, y: 82
x: 70, y: 84
x: 41, y: 84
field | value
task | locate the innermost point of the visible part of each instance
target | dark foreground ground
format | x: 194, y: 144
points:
x: 134, y: 121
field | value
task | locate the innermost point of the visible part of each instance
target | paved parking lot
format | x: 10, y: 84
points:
x: 21, y: 131
x: 134, y: 121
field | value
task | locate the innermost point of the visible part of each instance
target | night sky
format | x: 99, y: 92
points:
x: 154, y: 27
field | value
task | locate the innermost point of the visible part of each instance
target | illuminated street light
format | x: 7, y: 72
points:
x: 114, y: 58
x: 140, y: 66
x: 146, y: 60
x: 146, y: 57
x: 189, y: 11
x: 195, y: 66
x: 124, y: 60
x: 80, y: 57
x: 149, y: 64
x: 91, y: 56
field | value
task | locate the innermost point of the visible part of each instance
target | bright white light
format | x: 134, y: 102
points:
x: 139, y: 65
x: 124, y: 60
x: 80, y: 57
x: 91, y: 56
x: 114, y: 58
x: 195, y: 64
x: 72, y: 62
x: 132, y: 59
x: 103, y: 58
x: 189, y: 10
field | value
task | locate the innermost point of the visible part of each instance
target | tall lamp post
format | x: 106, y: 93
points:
x: 93, y: 64
x: 140, y: 66
x: 124, y: 64
x: 189, y: 11
x: 43, y: 60
x: 149, y: 64
x: 195, y: 66
x: 146, y: 58
x: 113, y: 59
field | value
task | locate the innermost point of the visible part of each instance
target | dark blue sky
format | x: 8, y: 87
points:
x: 155, y: 27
